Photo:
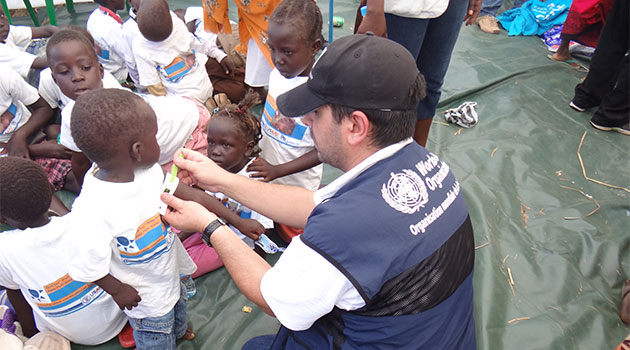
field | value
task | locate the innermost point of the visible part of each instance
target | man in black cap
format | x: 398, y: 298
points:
x: 386, y: 258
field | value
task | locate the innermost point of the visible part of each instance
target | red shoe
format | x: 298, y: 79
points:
x: 126, y: 337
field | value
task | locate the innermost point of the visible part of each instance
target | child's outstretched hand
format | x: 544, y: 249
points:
x: 227, y: 65
x: 126, y: 297
x: 262, y: 168
x: 250, y: 228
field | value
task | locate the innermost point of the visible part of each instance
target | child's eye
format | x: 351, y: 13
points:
x: 86, y: 68
x: 225, y: 145
x: 288, y: 53
x: 211, y: 142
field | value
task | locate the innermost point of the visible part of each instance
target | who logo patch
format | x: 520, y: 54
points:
x: 405, y: 192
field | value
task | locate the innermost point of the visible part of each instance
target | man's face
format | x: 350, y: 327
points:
x: 327, y: 135
x: 75, y: 68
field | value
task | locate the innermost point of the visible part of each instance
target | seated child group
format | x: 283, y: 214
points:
x: 103, y: 114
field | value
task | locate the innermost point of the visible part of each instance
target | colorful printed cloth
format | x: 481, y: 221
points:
x: 253, y: 18
x: 535, y: 17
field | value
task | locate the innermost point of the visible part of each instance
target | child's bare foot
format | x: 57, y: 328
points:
x: 189, y: 335
x: 558, y: 56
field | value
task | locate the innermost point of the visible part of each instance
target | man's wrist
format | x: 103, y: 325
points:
x: 207, y: 232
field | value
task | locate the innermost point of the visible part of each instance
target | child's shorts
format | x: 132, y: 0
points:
x: 161, y: 332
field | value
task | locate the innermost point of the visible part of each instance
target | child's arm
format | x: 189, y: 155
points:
x: 39, y: 63
x: 268, y: 172
x: 24, y: 312
x: 43, y: 31
x: 124, y: 295
x: 80, y: 165
x: 41, y: 115
x: 249, y: 227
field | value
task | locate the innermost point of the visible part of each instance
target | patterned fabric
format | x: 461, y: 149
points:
x: 56, y: 170
x: 585, y: 20
x: 253, y: 18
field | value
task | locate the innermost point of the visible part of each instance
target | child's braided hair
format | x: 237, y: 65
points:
x: 303, y: 15
x: 242, y: 115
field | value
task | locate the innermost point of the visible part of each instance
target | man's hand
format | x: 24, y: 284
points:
x: 17, y: 147
x: 474, y: 7
x: 250, y: 228
x: 262, y: 168
x: 126, y: 297
x: 227, y: 65
x: 186, y: 215
x: 197, y: 169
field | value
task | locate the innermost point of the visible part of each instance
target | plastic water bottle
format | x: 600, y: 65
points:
x: 189, y: 283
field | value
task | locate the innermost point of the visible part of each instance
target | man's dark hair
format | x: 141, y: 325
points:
x: 25, y: 192
x: 104, y: 120
x: 154, y: 20
x: 388, y: 126
x: 303, y: 15
x: 69, y: 34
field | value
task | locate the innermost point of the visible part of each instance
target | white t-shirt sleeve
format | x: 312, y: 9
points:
x: 147, y: 70
x: 210, y: 48
x: 303, y: 286
x: 48, y: 89
x: 20, y: 36
x: 65, y: 134
x: 6, y: 275
x: 20, y: 90
x: 19, y: 60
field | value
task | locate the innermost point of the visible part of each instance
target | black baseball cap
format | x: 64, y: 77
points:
x: 358, y: 71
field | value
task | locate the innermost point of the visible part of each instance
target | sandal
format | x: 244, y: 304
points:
x: 572, y: 63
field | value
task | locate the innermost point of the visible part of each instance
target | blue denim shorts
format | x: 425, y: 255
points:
x: 161, y: 332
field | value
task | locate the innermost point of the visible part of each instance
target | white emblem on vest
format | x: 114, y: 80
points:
x: 405, y: 192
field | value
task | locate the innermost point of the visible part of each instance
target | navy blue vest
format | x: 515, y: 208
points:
x: 400, y: 232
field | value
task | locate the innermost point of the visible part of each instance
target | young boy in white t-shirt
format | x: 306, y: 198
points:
x: 33, y: 268
x: 13, y: 42
x: 170, y: 60
x: 105, y: 25
x: 76, y: 70
x: 119, y: 229
x: 50, y: 91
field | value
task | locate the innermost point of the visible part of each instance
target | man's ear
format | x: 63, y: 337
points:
x: 101, y: 70
x: 250, y: 149
x: 359, y: 127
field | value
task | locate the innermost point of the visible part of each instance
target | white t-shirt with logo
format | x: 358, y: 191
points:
x: 176, y: 62
x: 118, y: 230
x: 116, y: 55
x: 33, y: 261
x: 285, y: 139
x: 15, y: 95
x: 51, y: 92
x: 177, y: 118
x: 12, y: 51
